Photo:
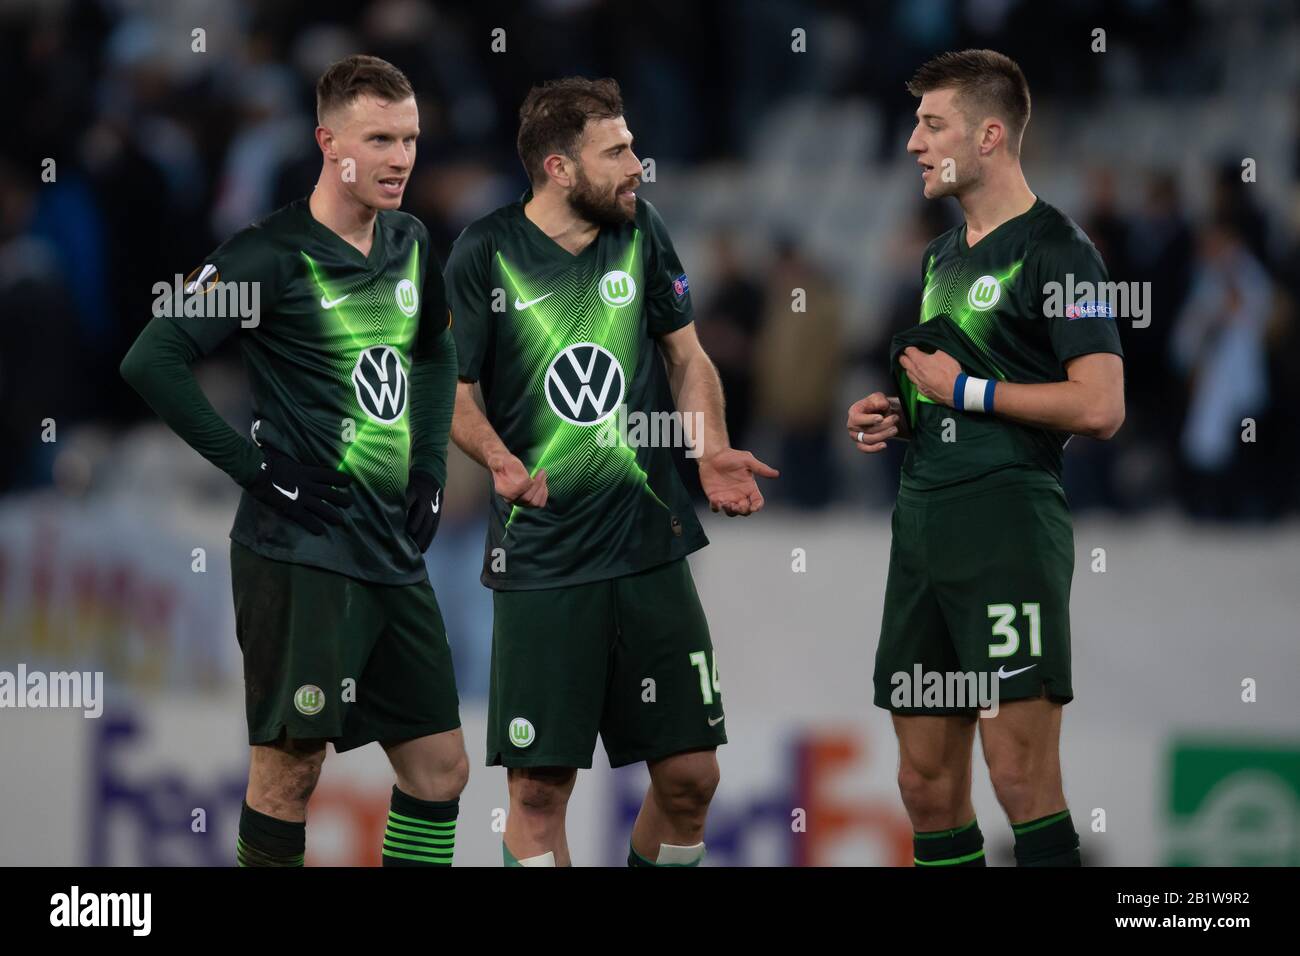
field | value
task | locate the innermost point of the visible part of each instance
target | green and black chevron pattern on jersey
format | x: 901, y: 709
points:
x: 369, y: 323
x: 580, y: 460
x: 564, y: 347
x: 952, y: 293
x: 329, y: 367
x: 986, y: 307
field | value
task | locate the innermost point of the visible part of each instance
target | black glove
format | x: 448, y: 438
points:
x: 308, y: 494
x: 423, y: 508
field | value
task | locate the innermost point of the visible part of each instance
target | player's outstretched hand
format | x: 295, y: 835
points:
x: 727, y: 477
x: 513, y: 483
x: 872, y: 420
x: 423, y: 508
x: 308, y: 494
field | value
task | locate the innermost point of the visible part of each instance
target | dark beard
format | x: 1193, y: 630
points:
x: 595, y: 206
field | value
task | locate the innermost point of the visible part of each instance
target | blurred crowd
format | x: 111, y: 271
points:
x: 139, y: 144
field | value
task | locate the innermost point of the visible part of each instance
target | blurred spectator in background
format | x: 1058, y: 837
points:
x: 1161, y: 249
x: 798, y: 374
x: 728, y: 328
x: 1235, y: 201
x: 1218, y: 345
x: 42, y: 366
x: 1106, y: 226
x: 1090, y: 468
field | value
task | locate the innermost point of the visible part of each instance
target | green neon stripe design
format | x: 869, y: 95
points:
x: 418, y: 859
x: 432, y: 841
x: 393, y: 816
x: 953, y: 861
x: 1030, y: 827
x: 425, y: 831
x: 571, y: 313
x: 935, y: 834
x: 394, y: 849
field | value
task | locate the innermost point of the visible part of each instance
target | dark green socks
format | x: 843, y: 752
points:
x: 1047, y: 841
x: 963, y: 846
x: 420, y: 832
x: 266, y: 841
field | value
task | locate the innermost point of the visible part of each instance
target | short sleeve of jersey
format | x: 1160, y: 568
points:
x: 434, y: 317
x: 242, y: 272
x: 668, y: 293
x: 467, y: 281
x: 1079, y: 318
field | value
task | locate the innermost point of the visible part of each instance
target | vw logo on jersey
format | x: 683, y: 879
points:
x: 617, y: 288
x: 585, y: 384
x: 380, y: 382
x: 408, y: 300
x: 984, y: 293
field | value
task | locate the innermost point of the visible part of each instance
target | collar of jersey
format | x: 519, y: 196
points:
x: 370, y: 262
x: 966, y: 250
x: 545, y: 243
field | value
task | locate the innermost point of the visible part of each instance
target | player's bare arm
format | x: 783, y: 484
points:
x: 1089, y: 402
x: 475, y: 436
x: 726, y: 473
x: 874, y: 420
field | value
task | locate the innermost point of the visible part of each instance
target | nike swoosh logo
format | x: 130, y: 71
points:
x: 531, y: 302
x: 330, y: 303
x: 436, y: 499
x: 714, y: 723
x: 291, y: 497
x: 1004, y: 674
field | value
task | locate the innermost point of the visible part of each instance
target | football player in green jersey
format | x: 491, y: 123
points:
x: 567, y: 306
x: 353, y: 374
x: 1001, y: 370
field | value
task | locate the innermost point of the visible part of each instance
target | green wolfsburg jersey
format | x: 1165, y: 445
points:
x: 987, y: 307
x: 328, y: 364
x: 559, y: 343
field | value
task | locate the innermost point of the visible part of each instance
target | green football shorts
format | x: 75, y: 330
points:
x: 979, y: 583
x: 330, y: 656
x: 628, y: 658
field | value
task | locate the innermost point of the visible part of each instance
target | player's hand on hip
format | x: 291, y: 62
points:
x: 513, y: 483
x: 308, y: 494
x: 727, y: 478
x: 934, y: 375
x: 871, y: 421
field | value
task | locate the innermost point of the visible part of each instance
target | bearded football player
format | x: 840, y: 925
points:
x: 992, y: 382
x: 353, y: 374
x: 573, y: 314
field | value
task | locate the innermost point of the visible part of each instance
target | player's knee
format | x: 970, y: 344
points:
x: 541, y: 791
x: 689, y: 790
x: 455, y: 777
x: 1013, y: 783
x: 284, y: 778
x: 440, y: 778
x: 927, y: 791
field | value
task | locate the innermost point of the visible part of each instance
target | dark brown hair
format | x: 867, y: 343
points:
x: 354, y: 75
x: 987, y: 84
x: 554, y: 115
